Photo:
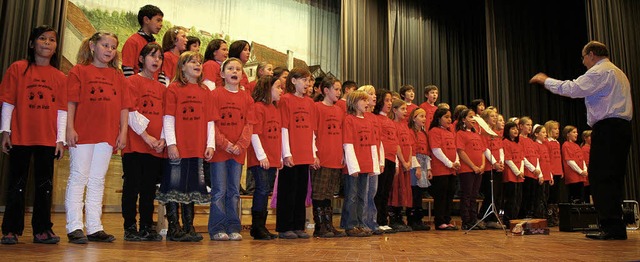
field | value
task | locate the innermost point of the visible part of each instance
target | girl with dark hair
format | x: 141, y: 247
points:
x: 40, y: 107
x: 174, y: 42
x: 242, y: 50
x: 389, y: 137
x: 513, y: 172
x: 264, y: 154
x: 216, y: 53
x: 470, y: 148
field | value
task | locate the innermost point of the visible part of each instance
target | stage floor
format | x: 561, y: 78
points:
x: 431, y: 245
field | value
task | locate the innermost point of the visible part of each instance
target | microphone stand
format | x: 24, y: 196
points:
x: 491, y: 210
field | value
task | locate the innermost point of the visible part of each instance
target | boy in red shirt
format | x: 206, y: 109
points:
x: 150, y: 20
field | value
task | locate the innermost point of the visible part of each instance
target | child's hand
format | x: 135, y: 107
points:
x: 551, y: 182
x: 537, y: 172
x: 584, y: 174
x: 59, y: 150
x: 316, y: 163
x: 208, y: 153
x: 406, y: 166
x: 429, y: 174
x: 6, y: 142
x: 72, y: 137
x: 540, y: 180
x: 418, y: 172
x: 354, y: 174
x: 288, y: 161
x: 477, y: 170
x: 121, y: 142
x: 161, y: 144
x: 172, y: 151
x: 371, y: 174
x: 456, y: 165
x: 264, y: 163
x: 151, y: 141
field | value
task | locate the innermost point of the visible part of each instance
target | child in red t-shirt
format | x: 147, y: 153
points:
x: 443, y: 168
x: 265, y: 153
x: 532, y: 172
x: 389, y: 138
x: 586, y: 150
x: 299, y: 153
x: 234, y: 127
x: 174, y: 42
x: 34, y: 104
x: 429, y: 106
x: 150, y: 19
x: 513, y: 171
x: 95, y: 87
x: 217, y: 51
x: 190, y: 136
x: 401, y: 188
x: 542, y: 194
x: 470, y: 148
x: 420, y: 170
x: 263, y: 69
x: 407, y: 93
x: 575, y: 168
x: 142, y: 157
x: 241, y: 49
x: 361, y: 158
x: 324, y: 180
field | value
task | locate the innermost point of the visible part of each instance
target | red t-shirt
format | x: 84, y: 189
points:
x: 37, y: 97
x: 422, y: 143
x: 169, y: 65
x: 342, y: 104
x: 445, y: 140
x: 147, y: 97
x: 211, y: 72
x: 472, y: 144
x: 298, y: 116
x: 359, y: 132
x: 514, y: 152
x: 555, y: 156
x: 530, y: 150
x: 406, y: 140
x: 268, y: 128
x: 101, y: 93
x: 329, y: 121
x: 131, y: 52
x: 545, y: 161
x: 377, y: 129
x: 586, y: 150
x: 191, y: 107
x: 232, y: 114
x: 430, y: 110
x: 494, y: 144
x: 410, y: 109
x: 250, y: 87
x: 244, y: 82
x: 572, y: 151
x: 389, y: 137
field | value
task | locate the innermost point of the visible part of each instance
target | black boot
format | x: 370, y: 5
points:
x: 174, y: 233
x: 395, y: 219
x: 320, y: 227
x: 258, y: 230
x: 328, y: 218
x: 187, y: 223
x: 264, y: 227
x: 414, y: 217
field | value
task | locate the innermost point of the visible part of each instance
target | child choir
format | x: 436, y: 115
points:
x: 387, y: 153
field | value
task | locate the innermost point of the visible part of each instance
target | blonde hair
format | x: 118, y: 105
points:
x: 397, y: 103
x: 549, y: 124
x: 369, y: 89
x: 585, y: 135
x: 352, y: 101
x: 85, y: 55
x: 486, y: 115
x: 179, y: 74
x: 412, y: 115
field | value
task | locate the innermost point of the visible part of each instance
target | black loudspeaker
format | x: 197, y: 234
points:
x: 578, y: 217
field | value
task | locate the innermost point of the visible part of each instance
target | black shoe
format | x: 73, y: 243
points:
x: 131, y: 234
x: 606, y: 236
x: 45, y: 238
x: 77, y: 237
x: 9, y: 239
x: 101, y: 236
x: 148, y: 234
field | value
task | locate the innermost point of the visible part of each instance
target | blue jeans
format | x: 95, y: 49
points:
x: 370, y: 210
x: 355, y: 195
x: 225, y: 194
x: 262, y: 187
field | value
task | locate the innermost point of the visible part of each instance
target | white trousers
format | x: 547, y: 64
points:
x: 89, y: 164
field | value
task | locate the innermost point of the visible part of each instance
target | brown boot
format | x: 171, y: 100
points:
x: 319, y: 219
x: 328, y: 217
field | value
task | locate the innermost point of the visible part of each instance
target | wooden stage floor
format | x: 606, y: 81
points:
x: 431, y: 245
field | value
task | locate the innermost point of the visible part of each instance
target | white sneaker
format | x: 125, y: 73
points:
x: 221, y: 237
x: 235, y: 237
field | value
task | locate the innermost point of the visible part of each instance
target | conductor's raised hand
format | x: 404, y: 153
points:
x: 539, y: 78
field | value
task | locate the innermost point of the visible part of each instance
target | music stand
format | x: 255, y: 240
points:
x: 492, y: 207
